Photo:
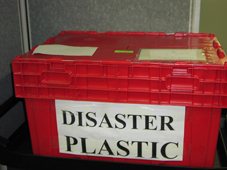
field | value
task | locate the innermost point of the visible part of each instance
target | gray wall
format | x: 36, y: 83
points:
x: 49, y: 17
x: 10, y: 47
x: 10, y: 44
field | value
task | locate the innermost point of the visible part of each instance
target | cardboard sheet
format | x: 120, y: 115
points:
x: 56, y: 49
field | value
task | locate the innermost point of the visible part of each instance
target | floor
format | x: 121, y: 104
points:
x: 216, y: 164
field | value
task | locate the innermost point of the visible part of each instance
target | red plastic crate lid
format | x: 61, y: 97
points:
x: 132, y: 67
x: 131, y: 47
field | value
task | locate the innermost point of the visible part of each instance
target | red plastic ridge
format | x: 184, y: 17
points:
x: 220, y: 53
x: 135, y: 33
x: 225, y: 65
x: 177, y: 34
x: 115, y: 33
x: 50, y: 40
x: 180, y: 34
x: 17, y: 59
x: 91, y: 32
x: 156, y: 33
x: 62, y: 32
x: 216, y: 44
x: 197, y: 34
x: 75, y: 32
x: 211, y: 35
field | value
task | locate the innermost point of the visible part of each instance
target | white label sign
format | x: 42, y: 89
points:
x: 172, y: 54
x: 138, y: 131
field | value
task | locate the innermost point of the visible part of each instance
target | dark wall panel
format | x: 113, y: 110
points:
x: 10, y: 47
x: 10, y: 44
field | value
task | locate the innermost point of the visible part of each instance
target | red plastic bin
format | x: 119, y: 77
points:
x: 125, y: 68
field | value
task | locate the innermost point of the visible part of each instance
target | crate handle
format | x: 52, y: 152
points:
x: 182, y: 83
x: 56, y: 78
